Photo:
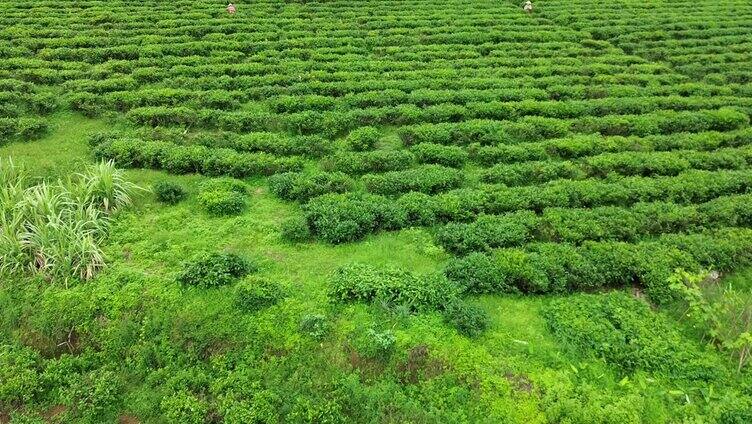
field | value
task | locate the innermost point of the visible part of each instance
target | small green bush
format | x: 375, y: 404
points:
x: 32, y: 128
x: 339, y: 218
x: 295, y: 229
x: 169, y: 192
x: 184, y: 408
x: 365, y: 283
x: 428, y: 179
x: 374, y: 344
x: 302, y: 187
x: 355, y: 163
x: 254, y: 294
x: 452, y: 156
x: 468, y: 319
x: 223, y: 196
x: 101, y: 137
x: 19, y: 378
x: 363, y: 139
x: 222, y: 203
x: 420, y: 208
x: 215, y: 269
x: 478, y: 273
x: 224, y: 184
x: 8, y: 128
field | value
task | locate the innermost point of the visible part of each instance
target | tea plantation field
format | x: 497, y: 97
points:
x: 376, y: 211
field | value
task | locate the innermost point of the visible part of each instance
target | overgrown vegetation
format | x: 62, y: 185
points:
x: 215, y: 269
x: 56, y: 229
x: 721, y: 313
x: 625, y: 332
x: 371, y: 212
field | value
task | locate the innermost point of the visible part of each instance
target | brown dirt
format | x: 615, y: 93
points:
x: 276, y: 352
x: 637, y: 293
x: 216, y: 348
x: 368, y: 368
x: 49, y: 415
x: 419, y: 366
x: 519, y: 382
x: 128, y: 419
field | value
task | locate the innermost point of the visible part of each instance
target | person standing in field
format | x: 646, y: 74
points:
x: 231, y: 9
x: 528, y: 7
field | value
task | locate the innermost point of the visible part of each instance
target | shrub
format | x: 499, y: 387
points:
x: 223, y: 196
x: 102, y: 137
x: 529, y: 173
x: 338, y: 218
x: 477, y: 273
x: 295, y: 229
x: 488, y: 232
x: 19, y: 378
x: 31, y: 128
x: 169, y: 192
x: 222, y: 203
x: 278, y: 144
x: 559, y: 267
x: 365, y: 283
x: 224, y: 184
x: 301, y: 187
x: 43, y: 103
x: 254, y: 294
x: 88, y: 104
x: 734, y: 409
x: 374, y: 344
x: 451, y: 156
x: 8, y: 128
x: 184, y: 408
x: 425, y: 179
x: 356, y: 163
x: 362, y: 139
x: 215, y: 269
x: 420, y: 208
x: 468, y: 319
x: 182, y: 159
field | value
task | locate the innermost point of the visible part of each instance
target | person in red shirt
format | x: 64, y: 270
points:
x: 231, y: 9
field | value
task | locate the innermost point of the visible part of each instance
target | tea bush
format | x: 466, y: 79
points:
x: 215, y: 269
x: 363, y: 139
x: 364, y: 283
x: 374, y: 344
x: 223, y: 197
x: 561, y: 267
x: 429, y: 179
x: 295, y: 229
x: 222, y: 203
x: 468, y: 319
x: 169, y: 192
x: 451, y: 156
x: 255, y: 293
x: 302, y: 187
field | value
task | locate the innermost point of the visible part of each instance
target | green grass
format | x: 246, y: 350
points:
x: 511, y: 373
x: 61, y: 152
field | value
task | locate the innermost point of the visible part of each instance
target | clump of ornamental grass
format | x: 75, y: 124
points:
x: 55, y: 229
